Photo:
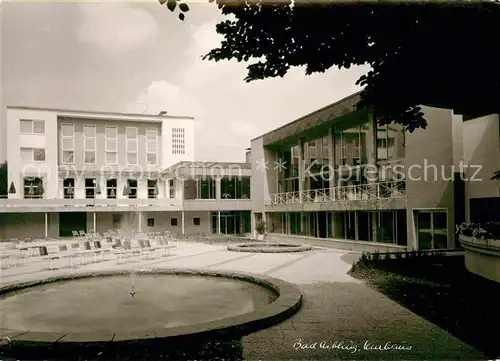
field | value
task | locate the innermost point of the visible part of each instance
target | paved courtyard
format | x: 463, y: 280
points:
x: 341, y: 317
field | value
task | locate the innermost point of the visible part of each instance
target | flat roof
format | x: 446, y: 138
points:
x: 90, y: 113
x: 317, y: 117
x: 205, y: 165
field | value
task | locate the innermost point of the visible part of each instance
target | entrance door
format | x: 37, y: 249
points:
x: 364, y: 226
x: 322, y: 224
x: 72, y: 221
x: 230, y: 226
x: 432, y: 229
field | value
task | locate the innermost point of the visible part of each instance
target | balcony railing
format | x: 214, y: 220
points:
x: 89, y: 202
x: 346, y: 193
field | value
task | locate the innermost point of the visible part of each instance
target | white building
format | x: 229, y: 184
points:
x: 77, y: 170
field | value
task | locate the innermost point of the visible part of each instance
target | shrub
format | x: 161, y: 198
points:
x: 488, y: 230
x: 260, y: 227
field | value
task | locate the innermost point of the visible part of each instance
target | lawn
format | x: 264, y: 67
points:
x: 441, y: 290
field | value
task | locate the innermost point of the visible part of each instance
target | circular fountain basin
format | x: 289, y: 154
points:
x: 269, y: 247
x: 104, y: 307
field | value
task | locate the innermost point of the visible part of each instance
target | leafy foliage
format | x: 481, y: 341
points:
x: 3, y: 180
x: 172, y: 5
x: 432, y: 53
x: 260, y: 227
x: 489, y: 230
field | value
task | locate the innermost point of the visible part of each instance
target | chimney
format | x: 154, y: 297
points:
x: 248, y: 155
x: 162, y: 113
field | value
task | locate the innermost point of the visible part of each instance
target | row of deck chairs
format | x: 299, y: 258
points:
x: 82, y: 250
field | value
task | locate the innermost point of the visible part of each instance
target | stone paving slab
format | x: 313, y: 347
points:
x: 338, y: 316
x: 260, y: 262
x: 318, y: 267
x: 338, y: 310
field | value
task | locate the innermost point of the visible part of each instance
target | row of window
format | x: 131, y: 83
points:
x: 110, y: 145
x: 230, y: 188
x: 174, y: 222
x: 129, y: 190
x: 351, y: 147
x: 29, y: 126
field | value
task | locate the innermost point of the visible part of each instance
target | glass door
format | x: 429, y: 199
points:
x: 432, y: 229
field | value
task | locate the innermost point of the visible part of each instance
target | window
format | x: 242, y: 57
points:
x: 111, y: 186
x: 178, y: 146
x: 28, y: 126
x: 206, y: 189
x: 33, y: 154
x: 312, y: 151
x: 132, y: 186
x: 33, y: 187
x: 116, y: 221
x: 69, y: 188
x: 67, y: 143
x: 151, y: 146
x: 386, y: 142
x: 432, y: 229
x: 171, y: 188
x: 111, y: 145
x: 90, y: 185
x: 152, y: 188
x: 89, y: 144
x: 151, y: 222
x: 196, y: 221
x: 227, y: 188
x: 344, y: 150
x: 132, y: 145
x: 243, y: 190
x: 173, y: 222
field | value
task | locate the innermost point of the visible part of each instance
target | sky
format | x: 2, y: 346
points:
x: 139, y: 57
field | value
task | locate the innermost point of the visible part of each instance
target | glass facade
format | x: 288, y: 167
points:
x: 205, y: 188
x: 367, y: 226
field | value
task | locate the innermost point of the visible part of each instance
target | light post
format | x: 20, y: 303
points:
x: 97, y: 191
x: 225, y: 196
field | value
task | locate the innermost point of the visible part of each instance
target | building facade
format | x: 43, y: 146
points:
x: 337, y: 176
x: 74, y: 170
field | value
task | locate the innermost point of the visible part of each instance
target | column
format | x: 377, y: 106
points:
x: 372, y: 146
x: 46, y: 225
x: 374, y: 226
x: 356, y: 226
x: 182, y: 223
x: 218, y: 222
x: 252, y: 224
x: 94, y: 222
x: 317, y: 224
x: 301, y: 169
x: 218, y: 188
x: 139, y: 226
x: 331, y: 161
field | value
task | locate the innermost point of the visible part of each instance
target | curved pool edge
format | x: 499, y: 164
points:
x: 264, y: 247
x: 287, y: 303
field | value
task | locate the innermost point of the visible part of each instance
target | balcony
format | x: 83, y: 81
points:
x: 86, y: 205
x: 244, y: 204
x: 365, y: 195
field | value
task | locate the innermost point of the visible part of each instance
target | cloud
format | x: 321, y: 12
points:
x: 230, y: 112
x: 117, y: 28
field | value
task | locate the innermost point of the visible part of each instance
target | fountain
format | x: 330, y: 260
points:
x: 269, y: 247
x: 115, y: 308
